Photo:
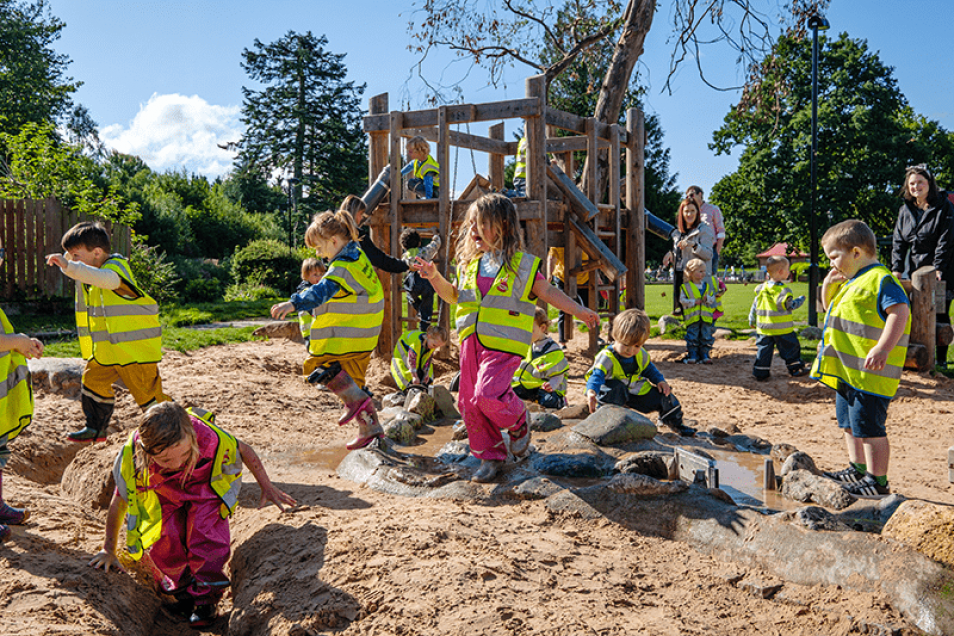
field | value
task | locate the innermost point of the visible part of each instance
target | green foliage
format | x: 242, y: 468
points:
x: 204, y: 290
x: 266, y: 262
x: 155, y: 274
x: 186, y: 340
x: 252, y: 292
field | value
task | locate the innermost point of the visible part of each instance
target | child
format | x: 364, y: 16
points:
x: 698, y: 298
x: 312, y: 270
x: 425, y: 172
x: 623, y: 374
x: 411, y: 363
x: 862, y: 351
x: 348, y: 307
x: 498, y: 284
x: 720, y: 287
x: 771, y: 315
x: 177, y: 483
x: 118, y: 326
x: 16, y: 405
x: 541, y: 377
x: 420, y: 292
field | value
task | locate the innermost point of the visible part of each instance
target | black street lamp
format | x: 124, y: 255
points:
x: 816, y: 23
x: 292, y: 206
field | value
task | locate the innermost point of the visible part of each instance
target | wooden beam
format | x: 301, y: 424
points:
x: 597, y: 250
x: 465, y: 140
x: 576, y: 198
x: 425, y: 212
x: 635, y: 241
x: 444, y: 219
x: 495, y: 167
x: 577, y: 124
x: 536, y: 166
x: 461, y: 113
x: 572, y: 144
x: 391, y: 328
x: 923, y: 316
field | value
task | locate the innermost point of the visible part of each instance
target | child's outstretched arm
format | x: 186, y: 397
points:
x: 114, y: 521
x: 21, y: 343
x: 553, y: 296
x: 444, y: 288
x: 95, y: 276
x: 892, y: 332
x: 269, y: 492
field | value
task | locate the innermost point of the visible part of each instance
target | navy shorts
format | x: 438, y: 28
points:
x: 861, y: 413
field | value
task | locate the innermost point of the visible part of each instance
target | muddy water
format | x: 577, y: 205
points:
x: 742, y: 476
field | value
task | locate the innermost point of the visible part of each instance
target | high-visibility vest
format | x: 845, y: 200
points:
x: 852, y: 327
x: 607, y: 361
x: 547, y: 364
x: 115, y: 330
x: 412, y: 341
x: 427, y: 166
x: 772, y: 317
x: 520, y: 167
x: 16, y: 391
x: 350, y: 321
x: 701, y: 312
x: 143, y: 509
x: 503, y: 319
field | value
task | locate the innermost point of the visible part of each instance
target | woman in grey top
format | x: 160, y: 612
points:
x: 693, y: 239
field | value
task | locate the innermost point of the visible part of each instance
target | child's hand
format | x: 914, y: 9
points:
x: 591, y: 401
x: 104, y: 559
x: 546, y: 386
x: 271, y: 494
x: 834, y: 276
x: 280, y: 310
x: 427, y: 268
x: 58, y: 260
x: 876, y: 358
x: 664, y: 388
x: 29, y: 347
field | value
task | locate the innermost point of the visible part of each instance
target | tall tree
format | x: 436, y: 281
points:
x: 867, y: 135
x: 304, y: 121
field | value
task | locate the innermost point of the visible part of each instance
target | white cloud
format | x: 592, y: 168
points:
x: 175, y: 132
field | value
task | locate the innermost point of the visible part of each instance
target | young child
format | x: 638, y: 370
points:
x: 312, y: 270
x: 541, y: 377
x: 177, y: 483
x: 425, y: 172
x: 698, y: 299
x: 420, y: 292
x: 118, y: 326
x: 721, y: 288
x: 16, y: 405
x: 623, y: 374
x: 771, y: 315
x: 348, y: 306
x: 411, y: 363
x: 862, y: 351
x: 498, y: 284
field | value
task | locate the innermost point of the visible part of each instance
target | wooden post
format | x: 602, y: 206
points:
x: 617, y: 216
x: 495, y: 168
x: 444, y: 217
x: 393, y: 321
x: 536, y: 131
x: 380, y: 234
x: 635, y: 203
x: 923, y: 314
x: 592, y: 193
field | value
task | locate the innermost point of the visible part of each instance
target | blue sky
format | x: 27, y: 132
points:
x: 163, y: 80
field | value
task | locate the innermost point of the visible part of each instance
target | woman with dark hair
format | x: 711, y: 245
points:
x: 924, y: 235
x: 693, y: 239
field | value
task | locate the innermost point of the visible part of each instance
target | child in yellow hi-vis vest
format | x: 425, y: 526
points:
x: 312, y: 270
x: 771, y: 315
x: 118, y: 327
x: 413, y: 354
x: 697, y: 295
x: 541, y: 377
x: 177, y: 483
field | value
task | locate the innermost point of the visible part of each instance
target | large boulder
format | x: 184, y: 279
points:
x: 280, y: 329
x: 421, y: 403
x: 615, y: 425
x: 544, y: 422
x: 801, y: 485
x: 446, y: 402
x: 926, y: 527
x: 668, y: 323
x: 651, y: 463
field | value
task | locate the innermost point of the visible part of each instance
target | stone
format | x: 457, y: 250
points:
x: 422, y: 404
x: 811, y: 333
x: 721, y: 334
x: 389, y: 413
x: 802, y: 485
x: 62, y: 376
x: 453, y: 452
x: 583, y: 465
x: 573, y: 412
x: 798, y: 461
x: 668, y: 323
x: 401, y: 431
x: 460, y: 430
x: 749, y: 443
x: 927, y: 527
x: 781, y: 452
x: 534, y: 489
x: 545, y: 422
x: 615, y: 425
x: 816, y: 518
x: 280, y: 329
x: 717, y: 433
x: 650, y: 463
x: 446, y: 402
x: 760, y: 588
x: 392, y: 400
x: 643, y: 485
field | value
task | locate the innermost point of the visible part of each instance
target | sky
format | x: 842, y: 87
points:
x: 163, y: 80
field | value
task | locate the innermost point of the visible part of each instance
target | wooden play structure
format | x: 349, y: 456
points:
x: 928, y: 298
x: 554, y: 212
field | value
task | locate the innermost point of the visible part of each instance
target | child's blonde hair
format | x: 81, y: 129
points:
x: 695, y: 264
x: 419, y: 144
x: 850, y: 234
x: 497, y: 211
x: 310, y: 265
x: 164, y: 425
x: 631, y: 328
x: 541, y: 317
x: 330, y: 224
x: 354, y: 205
x: 776, y: 261
x: 438, y: 331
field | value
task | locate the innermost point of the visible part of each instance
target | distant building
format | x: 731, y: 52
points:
x: 781, y: 249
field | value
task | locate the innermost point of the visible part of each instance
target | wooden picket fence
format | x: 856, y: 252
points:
x: 32, y: 229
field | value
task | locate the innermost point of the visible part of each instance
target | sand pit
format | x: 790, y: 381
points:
x: 355, y: 561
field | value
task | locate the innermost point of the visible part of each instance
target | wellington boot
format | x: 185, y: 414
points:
x: 12, y: 516
x: 86, y: 436
x: 369, y: 429
x: 340, y: 383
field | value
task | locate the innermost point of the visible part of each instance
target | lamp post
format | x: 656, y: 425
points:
x: 292, y: 207
x: 816, y: 23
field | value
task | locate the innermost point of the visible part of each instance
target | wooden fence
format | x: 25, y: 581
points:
x: 32, y: 229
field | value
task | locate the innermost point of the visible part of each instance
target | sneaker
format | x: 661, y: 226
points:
x: 867, y: 488
x: 688, y: 360
x: 706, y: 360
x: 845, y: 476
x: 202, y: 616
x: 761, y: 378
x: 11, y: 516
x: 801, y: 372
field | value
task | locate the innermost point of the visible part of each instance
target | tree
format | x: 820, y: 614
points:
x: 867, y: 135
x: 304, y: 123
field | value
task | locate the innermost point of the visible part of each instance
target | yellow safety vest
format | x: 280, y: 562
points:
x: 503, y: 319
x: 772, y: 318
x: 520, y: 167
x: 115, y: 330
x: 400, y: 361
x: 701, y: 312
x: 350, y: 321
x: 427, y: 166
x: 608, y: 362
x: 16, y: 391
x: 545, y: 365
x: 852, y: 327
x: 143, y: 510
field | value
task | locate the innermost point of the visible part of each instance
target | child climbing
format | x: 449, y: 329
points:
x: 177, y: 483
x: 425, y: 178
x: 698, y: 299
x: 312, y: 270
x: 541, y: 377
x: 420, y: 292
x: 771, y: 315
x: 498, y: 284
x: 348, y: 307
x: 411, y: 363
x: 118, y: 325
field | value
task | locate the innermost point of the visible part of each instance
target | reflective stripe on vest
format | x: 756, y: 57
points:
x: 771, y: 316
x: 400, y: 361
x: 350, y: 321
x: 16, y: 391
x: 520, y: 167
x: 428, y: 166
x: 503, y: 319
x: 852, y: 327
x: 698, y: 312
x: 608, y: 362
x: 546, y: 365
x: 121, y: 330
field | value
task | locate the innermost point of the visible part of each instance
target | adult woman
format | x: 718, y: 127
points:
x: 693, y: 239
x: 924, y: 235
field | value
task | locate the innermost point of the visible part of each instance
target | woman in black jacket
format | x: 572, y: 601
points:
x: 924, y: 235
x: 379, y: 259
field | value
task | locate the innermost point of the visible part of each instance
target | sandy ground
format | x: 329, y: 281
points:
x: 354, y: 561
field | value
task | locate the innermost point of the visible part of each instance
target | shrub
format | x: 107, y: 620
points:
x: 266, y: 262
x: 202, y: 290
x: 251, y: 292
x: 154, y: 273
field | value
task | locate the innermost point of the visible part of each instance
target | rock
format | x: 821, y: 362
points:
x: 400, y: 430
x: 88, y: 479
x: 535, y: 489
x: 632, y: 484
x: 801, y: 485
x: 760, y: 588
x: 533, y: 407
x: 545, y: 422
x: 798, y: 461
x: 460, y: 430
x: 453, y: 452
x: 395, y: 413
x: 667, y: 323
x: 749, y: 443
x: 815, y: 518
x: 615, y: 425
x: 393, y: 399
x: 811, y: 333
x: 649, y: 463
x: 718, y: 433
x: 781, y: 452
x: 567, y: 465
x: 280, y: 329
x: 927, y: 527
x: 62, y: 376
x: 573, y: 412
x: 423, y: 404
x: 446, y: 402
x: 721, y: 334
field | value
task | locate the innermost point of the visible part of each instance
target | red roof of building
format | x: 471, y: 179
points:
x: 781, y: 249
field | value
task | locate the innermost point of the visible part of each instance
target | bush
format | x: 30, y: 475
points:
x: 799, y: 270
x: 251, y: 292
x: 268, y: 263
x: 202, y: 290
x: 154, y: 273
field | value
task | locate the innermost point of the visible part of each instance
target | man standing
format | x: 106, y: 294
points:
x: 712, y: 215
